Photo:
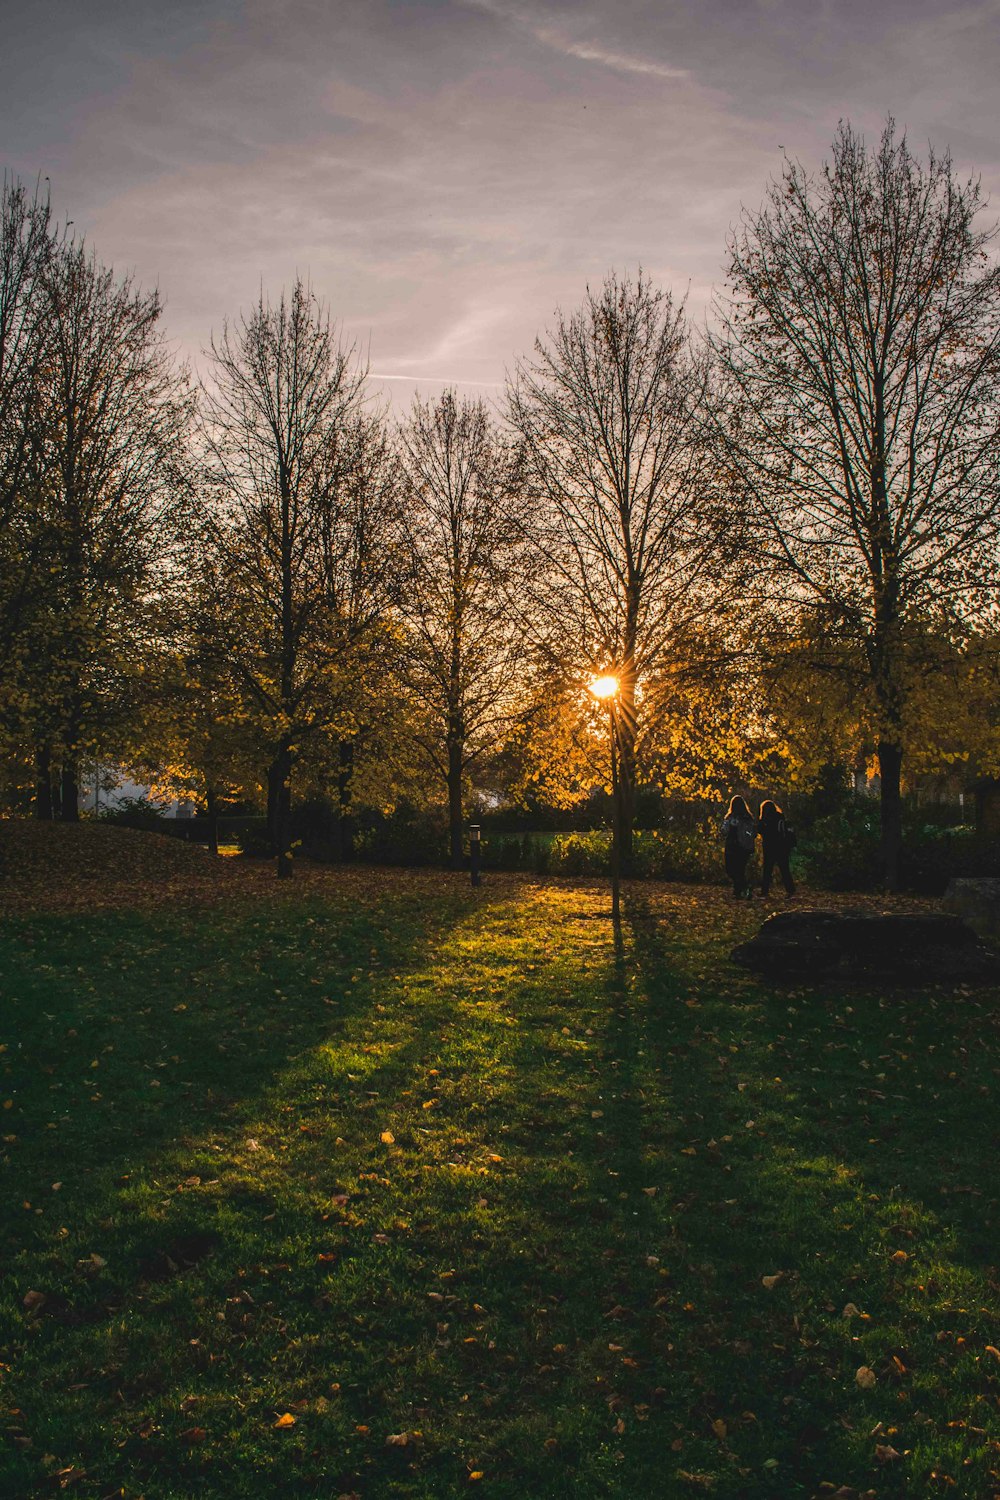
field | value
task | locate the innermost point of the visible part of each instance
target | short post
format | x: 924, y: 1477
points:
x: 474, y: 850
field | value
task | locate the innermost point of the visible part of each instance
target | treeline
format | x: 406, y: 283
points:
x: 780, y: 537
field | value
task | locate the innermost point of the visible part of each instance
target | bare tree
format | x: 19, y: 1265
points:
x: 861, y: 345
x: 459, y: 552
x: 26, y: 246
x: 108, y: 430
x: 287, y: 448
x: 609, y: 412
x: 360, y: 567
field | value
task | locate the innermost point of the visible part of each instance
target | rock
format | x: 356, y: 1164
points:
x: 927, y: 947
x: 977, y: 902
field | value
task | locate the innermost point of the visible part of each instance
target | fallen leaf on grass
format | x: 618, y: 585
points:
x: 285, y: 1420
x: 402, y: 1439
x: 34, y: 1301
x: 387, y: 1138
x: 772, y: 1281
x: 886, y: 1453
x: 900, y: 1257
x: 193, y: 1435
x: 69, y: 1476
x: 865, y: 1377
x: 851, y: 1311
x: 719, y: 1428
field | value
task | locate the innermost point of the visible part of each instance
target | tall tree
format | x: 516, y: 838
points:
x: 107, y: 486
x: 460, y: 549
x: 26, y: 246
x: 287, y: 441
x: 610, y: 415
x: 861, y: 342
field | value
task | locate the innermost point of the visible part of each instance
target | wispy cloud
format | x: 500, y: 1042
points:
x: 559, y: 41
x: 493, y: 385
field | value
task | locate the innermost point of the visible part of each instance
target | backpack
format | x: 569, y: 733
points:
x: 742, y: 833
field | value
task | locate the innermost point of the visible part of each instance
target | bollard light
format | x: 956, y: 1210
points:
x: 474, y: 852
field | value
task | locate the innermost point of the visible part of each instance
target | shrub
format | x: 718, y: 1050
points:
x: 406, y: 836
x: 136, y: 812
x: 580, y: 854
x: 686, y: 853
x: 932, y: 856
x: 526, y: 851
x: 252, y: 838
x: 842, y: 852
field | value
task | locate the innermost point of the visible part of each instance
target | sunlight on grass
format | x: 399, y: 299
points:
x: 569, y: 1212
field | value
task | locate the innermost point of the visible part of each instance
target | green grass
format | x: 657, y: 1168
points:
x: 550, y: 1277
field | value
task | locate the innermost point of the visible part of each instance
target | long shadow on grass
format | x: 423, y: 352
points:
x: 468, y: 1210
x: 257, y: 1267
x: 139, y: 1048
x: 821, y: 1130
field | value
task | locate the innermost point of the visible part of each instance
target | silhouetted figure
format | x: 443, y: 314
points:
x: 739, y: 831
x: 777, y: 841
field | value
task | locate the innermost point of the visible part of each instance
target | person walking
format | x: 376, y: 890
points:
x: 777, y: 840
x: 739, y: 832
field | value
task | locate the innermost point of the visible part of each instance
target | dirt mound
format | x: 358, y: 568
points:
x: 45, y: 865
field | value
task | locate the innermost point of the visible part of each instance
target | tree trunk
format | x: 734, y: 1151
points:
x: 455, y: 749
x: 279, y: 810
x: 345, y: 823
x: 69, y: 796
x: 626, y: 795
x: 273, y: 789
x: 43, y: 783
x: 890, y: 760
x: 212, y: 808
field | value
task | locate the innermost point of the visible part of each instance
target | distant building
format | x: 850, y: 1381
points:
x: 105, y: 788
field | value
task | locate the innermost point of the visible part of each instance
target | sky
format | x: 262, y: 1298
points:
x: 448, y: 172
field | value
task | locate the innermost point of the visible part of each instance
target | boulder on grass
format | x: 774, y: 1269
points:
x: 925, y: 947
x: 977, y: 902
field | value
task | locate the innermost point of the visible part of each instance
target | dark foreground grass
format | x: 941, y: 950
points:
x: 379, y: 1188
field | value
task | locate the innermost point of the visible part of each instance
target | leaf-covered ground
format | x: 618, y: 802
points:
x: 378, y: 1186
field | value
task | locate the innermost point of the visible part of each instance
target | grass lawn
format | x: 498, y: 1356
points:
x: 379, y: 1186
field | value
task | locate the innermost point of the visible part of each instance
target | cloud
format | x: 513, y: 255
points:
x: 449, y: 171
x: 442, y: 380
x: 551, y: 36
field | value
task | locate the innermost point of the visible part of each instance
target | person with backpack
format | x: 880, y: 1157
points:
x: 777, y: 840
x: 739, y: 832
